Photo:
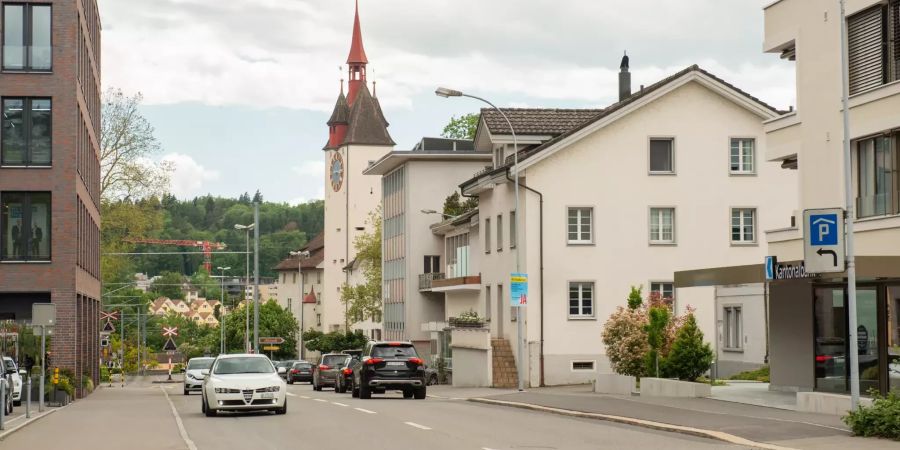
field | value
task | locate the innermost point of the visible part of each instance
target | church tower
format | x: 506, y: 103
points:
x: 357, y: 135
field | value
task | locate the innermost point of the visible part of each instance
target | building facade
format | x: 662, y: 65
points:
x: 357, y: 136
x: 300, y: 280
x: 415, y: 185
x: 50, y: 173
x: 625, y: 198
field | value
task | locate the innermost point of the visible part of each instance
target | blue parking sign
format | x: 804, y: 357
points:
x: 823, y: 229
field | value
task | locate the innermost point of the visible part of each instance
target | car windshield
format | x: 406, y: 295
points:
x: 9, y: 364
x: 335, y: 360
x: 231, y: 366
x: 199, y: 364
x: 394, y: 351
x: 284, y: 364
x: 302, y: 365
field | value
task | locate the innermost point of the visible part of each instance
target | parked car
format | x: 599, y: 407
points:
x: 325, y: 374
x: 389, y: 366
x: 357, y: 353
x: 243, y: 382
x: 301, y: 371
x: 193, y: 378
x: 345, y: 375
x: 16, y: 379
x: 431, y: 376
x: 283, y: 366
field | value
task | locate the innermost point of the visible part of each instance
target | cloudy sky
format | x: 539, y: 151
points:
x: 239, y: 90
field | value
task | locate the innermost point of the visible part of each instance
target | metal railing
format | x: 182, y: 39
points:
x: 425, y: 279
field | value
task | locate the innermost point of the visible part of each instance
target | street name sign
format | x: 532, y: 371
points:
x: 271, y: 348
x: 518, y: 289
x: 271, y: 340
x: 823, y: 240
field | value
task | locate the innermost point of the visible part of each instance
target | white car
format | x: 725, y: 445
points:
x: 245, y: 382
x: 193, y: 378
x: 10, y: 368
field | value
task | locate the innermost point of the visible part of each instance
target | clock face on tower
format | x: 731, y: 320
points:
x: 337, y: 171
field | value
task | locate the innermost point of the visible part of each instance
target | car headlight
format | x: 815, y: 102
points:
x: 272, y: 389
x: 227, y: 391
x: 189, y: 376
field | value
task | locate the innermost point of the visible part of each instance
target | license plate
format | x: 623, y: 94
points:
x: 396, y: 363
x: 268, y: 395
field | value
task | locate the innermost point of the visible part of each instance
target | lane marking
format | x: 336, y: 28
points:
x: 304, y: 397
x: 415, y: 425
x: 365, y: 411
x: 290, y: 394
x: 486, y: 448
x: 339, y: 404
x: 320, y: 400
x: 181, y: 430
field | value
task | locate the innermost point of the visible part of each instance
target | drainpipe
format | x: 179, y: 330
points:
x: 541, y: 261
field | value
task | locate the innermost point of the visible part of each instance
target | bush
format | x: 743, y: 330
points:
x: 882, y: 419
x: 104, y: 374
x: 690, y: 357
x: 761, y: 374
x: 625, y: 338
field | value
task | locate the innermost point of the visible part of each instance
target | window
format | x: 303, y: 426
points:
x: 26, y: 226
x: 876, y: 161
x: 318, y: 320
x: 874, y: 47
x: 665, y: 289
x: 283, y: 278
x: 26, y: 132
x: 458, y: 255
x: 305, y: 277
x: 26, y: 37
x: 743, y: 225
x: 733, y: 328
x: 512, y: 229
x: 487, y: 302
x: 487, y: 235
x: 580, y: 226
x: 662, y: 225
x: 582, y: 365
x: 581, y: 300
x: 294, y: 278
x: 662, y: 155
x: 432, y: 264
x: 499, y: 232
x: 743, y: 156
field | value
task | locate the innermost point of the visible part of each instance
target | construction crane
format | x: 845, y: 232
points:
x: 207, y: 247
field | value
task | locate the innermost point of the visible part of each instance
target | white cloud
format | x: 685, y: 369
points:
x: 313, y: 168
x: 189, y: 177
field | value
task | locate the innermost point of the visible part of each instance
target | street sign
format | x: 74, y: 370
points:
x: 271, y: 348
x: 170, y: 346
x: 518, y: 289
x: 43, y: 314
x: 271, y: 340
x: 112, y: 315
x: 823, y: 240
x: 104, y: 342
x: 109, y: 327
x: 170, y: 331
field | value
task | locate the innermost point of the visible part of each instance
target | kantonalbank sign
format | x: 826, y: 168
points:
x: 785, y: 271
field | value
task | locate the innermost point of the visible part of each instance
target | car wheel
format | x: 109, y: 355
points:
x: 354, y: 392
x: 283, y: 409
x: 420, y: 393
x: 407, y: 393
x: 365, y: 392
x: 203, y: 405
x: 432, y: 380
x: 290, y: 381
x: 186, y: 392
x: 209, y: 411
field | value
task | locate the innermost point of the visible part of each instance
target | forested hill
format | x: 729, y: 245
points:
x: 282, y: 228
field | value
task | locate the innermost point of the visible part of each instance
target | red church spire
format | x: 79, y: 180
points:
x: 356, y: 60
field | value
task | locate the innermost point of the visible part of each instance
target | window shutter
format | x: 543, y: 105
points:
x: 895, y: 37
x: 865, y: 50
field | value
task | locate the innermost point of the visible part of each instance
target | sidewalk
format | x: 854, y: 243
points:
x: 777, y: 427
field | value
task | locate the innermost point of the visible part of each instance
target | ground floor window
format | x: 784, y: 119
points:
x: 25, y: 224
x: 733, y: 327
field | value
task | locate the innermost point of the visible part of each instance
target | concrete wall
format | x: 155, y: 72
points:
x: 471, y: 357
x: 752, y: 354
x: 458, y: 302
x: 791, y: 353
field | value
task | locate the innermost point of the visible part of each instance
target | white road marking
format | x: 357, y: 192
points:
x: 305, y: 397
x: 320, y: 400
x: 415, y: 425
x: 486, y: 448
x: 290, y: 394
x: 339, y: 404
x: 365, y: 411
x: 181, y: 430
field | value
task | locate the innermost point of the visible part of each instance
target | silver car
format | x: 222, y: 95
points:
x: 193, y: 376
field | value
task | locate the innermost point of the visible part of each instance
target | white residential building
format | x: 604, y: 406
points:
x: 300, y: 282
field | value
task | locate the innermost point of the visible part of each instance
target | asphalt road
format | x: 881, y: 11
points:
x: 141, y: 417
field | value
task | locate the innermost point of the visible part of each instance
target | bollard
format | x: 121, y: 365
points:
x: 28, y: 396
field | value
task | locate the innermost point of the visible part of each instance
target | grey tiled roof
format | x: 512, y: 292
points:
x: 537, y: 121
x: 367, y: 125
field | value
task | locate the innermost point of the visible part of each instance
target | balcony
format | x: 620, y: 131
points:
x: 466, y: 283
x: 427, y: 279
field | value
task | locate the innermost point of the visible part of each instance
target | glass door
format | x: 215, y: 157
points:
x: 893, y: 337
x: 830, y: 339
x: 867, y: 333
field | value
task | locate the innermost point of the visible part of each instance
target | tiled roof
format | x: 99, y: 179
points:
x: 537, y: 121
x: 316, y: 249
x: 367, y: 125
x: 311, y: 297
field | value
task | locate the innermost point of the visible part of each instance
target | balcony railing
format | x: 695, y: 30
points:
x: 426, y: 279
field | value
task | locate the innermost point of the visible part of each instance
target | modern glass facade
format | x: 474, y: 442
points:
x: 394, y: 250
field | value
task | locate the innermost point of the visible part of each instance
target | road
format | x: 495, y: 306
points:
x: 146, y: 416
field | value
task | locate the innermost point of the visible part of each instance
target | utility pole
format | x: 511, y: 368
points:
x: 222, y: 308
x: 256, y: 278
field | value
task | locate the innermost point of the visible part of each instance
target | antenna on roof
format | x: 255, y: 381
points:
x: 374, y: 88
x: 342, y: 86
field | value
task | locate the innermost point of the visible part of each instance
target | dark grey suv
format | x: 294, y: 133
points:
x: 326, y: 373
x: 389, y: 366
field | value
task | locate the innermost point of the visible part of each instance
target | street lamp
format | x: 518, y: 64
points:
x: 446, y: 93
x: 301, y: 256
x: 431, y: 211
x: 247, y: 229
x: 222, y: 307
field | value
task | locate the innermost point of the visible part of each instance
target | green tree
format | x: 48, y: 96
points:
x: 462, y: 127
x: 634, y: 298
x: 690, y: 357
x: 364, y: 300
x: 125, y: 220
x: 274, y: 321
x: 168, y: 285
x: 207, y: 286
x: 453, y: 206
x: 336, y: 341
x: 656, y: 338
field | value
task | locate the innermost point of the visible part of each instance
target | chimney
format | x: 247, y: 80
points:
x: 624, y: 79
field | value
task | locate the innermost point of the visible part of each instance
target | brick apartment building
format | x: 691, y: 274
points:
x: 50, y: 173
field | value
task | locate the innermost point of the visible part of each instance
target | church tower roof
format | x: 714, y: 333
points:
x: 357, y: 50
x: 367, y: 125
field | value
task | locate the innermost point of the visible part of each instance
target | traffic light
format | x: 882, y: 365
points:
x: 55, y: 376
